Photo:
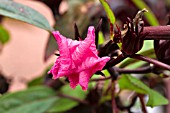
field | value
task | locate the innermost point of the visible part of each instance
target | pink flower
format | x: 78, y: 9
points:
x: 78, y: 60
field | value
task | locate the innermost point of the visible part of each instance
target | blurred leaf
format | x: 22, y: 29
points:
x: 134, y: 84
x: 133, y: 63
x: 148, y: 44
x: 64, y: 104
x: 23, y: 13
x: 109, y: 11
x: 149, y: 16
x: 33, y: 100
x: 4, y: 35
x: 36, y: 82
x: 155, y: 99
x: 51, y: 47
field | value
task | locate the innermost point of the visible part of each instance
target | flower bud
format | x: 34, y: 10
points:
x: 133, y: 39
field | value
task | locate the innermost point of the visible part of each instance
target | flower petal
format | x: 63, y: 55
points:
x: 62, y: 44
x: 91, y: 36
x: 84, y: 78
x: 74, y: 80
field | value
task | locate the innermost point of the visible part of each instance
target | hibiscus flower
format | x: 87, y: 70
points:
x: 78, y: 60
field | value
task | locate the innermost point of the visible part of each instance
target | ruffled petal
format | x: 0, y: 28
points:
x: 91, y: 36
x: 84, y: 78
x: 74, y: 80
x: 62, y: 44
x: 101, y: 62
x: 78, y: 60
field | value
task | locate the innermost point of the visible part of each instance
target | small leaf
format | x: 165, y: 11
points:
x: 134, y: 84
x: 109, y: 11
x: 23, y: 13
x: 101, y: 38
x: 155, y: 99
x: 4, y: 35
x: 33, y: 100
x: 64, y: 104
x: 149, y: 16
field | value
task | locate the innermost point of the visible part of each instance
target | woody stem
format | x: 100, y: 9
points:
x: 150, y: 60
x: 157, y: 32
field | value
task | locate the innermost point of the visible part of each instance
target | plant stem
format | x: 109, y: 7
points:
x: 135, y: 71
x: 113, y: 62
x: 72, y: 98
x: 120, y: 71
x: 142, y: 103
x: 100, y: 79
x: 150, y: 60
x: 114, y: 105
x: 157, y: 32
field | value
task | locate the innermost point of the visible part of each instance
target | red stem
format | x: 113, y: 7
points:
x: 157, y: 32
x: 114, y: 105
x: 142, y: 103
x: 150, y: 60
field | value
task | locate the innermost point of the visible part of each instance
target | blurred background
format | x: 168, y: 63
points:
x: 30, y: 50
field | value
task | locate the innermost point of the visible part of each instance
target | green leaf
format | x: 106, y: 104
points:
x: 64, y: 104
x: 4, y: 35
x: 33, y: 100
x: 134, y: 84
x: 155, y: 99
x: 109, y: 11
x: 101, y: 38
x: 149, y: 16
x: 133, y: 63
x: 23, y: 13
x: 36, y: 82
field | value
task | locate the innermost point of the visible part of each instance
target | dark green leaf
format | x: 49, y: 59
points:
x: 64, y: 104
x: 4, y: 35
x: 23, y: 13
x: 36, y: 82
x: 33, y: 100
x: 134, y: 84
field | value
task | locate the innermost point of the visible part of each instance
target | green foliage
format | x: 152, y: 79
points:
x: 4, y: 35
x: 23, y: 13
x: 64, y: 104
x: 33, y: 100
x: 149, y: 16
x: 101, y: 38
x: 133, y: 63
x: 134, y: 84
x: 36, y: 82
x: 109, y: 11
